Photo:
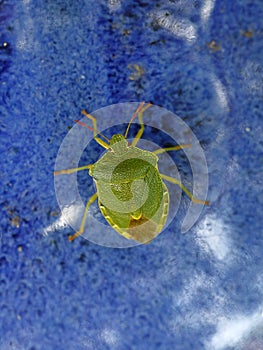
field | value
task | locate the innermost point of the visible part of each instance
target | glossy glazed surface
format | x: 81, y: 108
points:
x: 202, y: 60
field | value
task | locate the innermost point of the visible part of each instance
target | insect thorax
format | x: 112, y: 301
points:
x: 123, y: 159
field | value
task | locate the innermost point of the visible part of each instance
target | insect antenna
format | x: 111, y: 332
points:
x: 92, y: 129
x: 139, y: 108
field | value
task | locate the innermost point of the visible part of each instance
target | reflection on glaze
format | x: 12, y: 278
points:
x: 181, y: 28
x: 233, y: 332
x: 212, y: 236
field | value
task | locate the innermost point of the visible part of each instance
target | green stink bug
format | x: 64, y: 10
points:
x: 131, y: 193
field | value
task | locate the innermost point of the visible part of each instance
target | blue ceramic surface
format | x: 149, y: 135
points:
x: 202, y: 60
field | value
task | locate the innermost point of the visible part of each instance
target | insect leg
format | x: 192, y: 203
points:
x: 73, y: 170
x: 93, y: 119
x: 175, y: 148
x: 183, y: 188
x: 140, y: 132
x: 82, y: 226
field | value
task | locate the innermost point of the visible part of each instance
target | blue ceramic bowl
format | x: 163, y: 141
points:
x: 201, y: 60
